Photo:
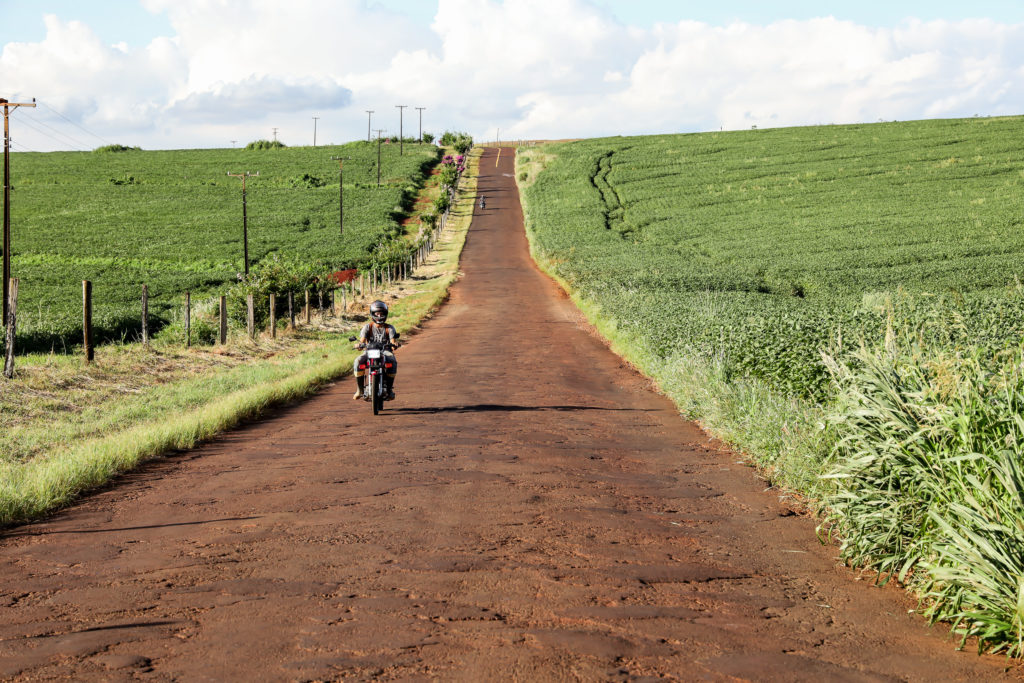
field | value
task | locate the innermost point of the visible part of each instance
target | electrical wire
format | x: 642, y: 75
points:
x: 74, y: 124
x: 76, y: 144
x: 20, y: 148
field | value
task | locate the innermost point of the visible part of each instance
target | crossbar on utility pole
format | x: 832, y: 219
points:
x: 245, y: 217
x: 341, y: 192
x: 369, y: 115
x: 379, y: 131
x: 401, y: 110
x: 420, y: 110
x: 7, y: 197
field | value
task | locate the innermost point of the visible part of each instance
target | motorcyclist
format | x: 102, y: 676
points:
x: 483, y: 202
x: 377, y: 331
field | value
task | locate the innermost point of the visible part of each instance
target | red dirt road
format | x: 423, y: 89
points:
x: 527, y: 509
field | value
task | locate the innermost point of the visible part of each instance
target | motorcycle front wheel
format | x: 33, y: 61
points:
x: 374, y: 395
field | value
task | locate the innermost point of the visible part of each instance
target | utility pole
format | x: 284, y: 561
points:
x: 315, y: 118
x: 275, y: 134
x: 7, y: 196
x: 379, y: 131
x: 401, y: 110
x: 341, y: 192
x: 233, y: 143
x: 245, y: 217
x: 420, y: 110
x: 369, y: 115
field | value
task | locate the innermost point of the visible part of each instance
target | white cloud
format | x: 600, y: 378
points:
x: 534, y: 68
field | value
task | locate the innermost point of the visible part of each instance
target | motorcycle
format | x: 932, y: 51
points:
x: 376, y: 365
x: 483, y: 203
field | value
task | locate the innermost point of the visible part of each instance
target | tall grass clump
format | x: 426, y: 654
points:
x: 928, y: 478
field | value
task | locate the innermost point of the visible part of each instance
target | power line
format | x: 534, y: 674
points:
x: 76, y: 124
x: 245, y: 216
x: 401, y: 110
x: 21, y: 148
x: 420, y: 110
x: 379, y: 131
x: 7, y: 197
x: 78, y: 145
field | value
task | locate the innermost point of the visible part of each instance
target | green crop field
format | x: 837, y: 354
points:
x: 173, y: 220
x: 843, y: 302
x: 761, y: 247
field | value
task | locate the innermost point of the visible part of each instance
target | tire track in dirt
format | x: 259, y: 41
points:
x: 527, y: 508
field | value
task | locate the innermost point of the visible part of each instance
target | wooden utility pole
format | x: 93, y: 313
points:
x: 245, y: 217
x: 87, y: 320
x: 188, y: 320
x: 379, y: 131
x: 401, y: 110
x: 223, y: 319
x: 7, y: 195
x: 315, y: 119
x: 420, y: 110
x: 369, y: 115
x: 341, y: 192
x: 12, y: 324
x: 273, y: 316
x: 145, y: 314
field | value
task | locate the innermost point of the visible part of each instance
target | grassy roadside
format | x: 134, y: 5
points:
x: 69, y: 428
x: 912, y: 459
x: 785, y: 436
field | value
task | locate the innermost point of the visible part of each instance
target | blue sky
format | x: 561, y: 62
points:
x: 194, y: 73
x: 127, y: 21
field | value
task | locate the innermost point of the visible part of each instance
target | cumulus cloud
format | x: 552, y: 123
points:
x: 534, y: 68
x: 253, y: 97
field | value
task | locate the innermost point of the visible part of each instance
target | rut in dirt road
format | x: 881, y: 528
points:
x: 526, y: 509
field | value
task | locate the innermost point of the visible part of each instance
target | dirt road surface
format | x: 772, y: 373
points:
x: 526, y: 509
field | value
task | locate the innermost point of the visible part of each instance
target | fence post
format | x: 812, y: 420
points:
x: 250, y: 316
x: 307, y: 307
x: 291, y: 310
x: 223, y: 319
x: 273, y: 316
x: 87, y: 320
x: 188, y: 319
x: 344, y: 299
x: 12, y: 323
x: 145, y: 314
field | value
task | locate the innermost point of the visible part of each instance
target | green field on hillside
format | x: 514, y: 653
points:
x: 173, y: 220
x: 842, y: 302
x: 761, y: 248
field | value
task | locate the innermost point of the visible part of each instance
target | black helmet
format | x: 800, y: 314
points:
x: 379, y: 312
